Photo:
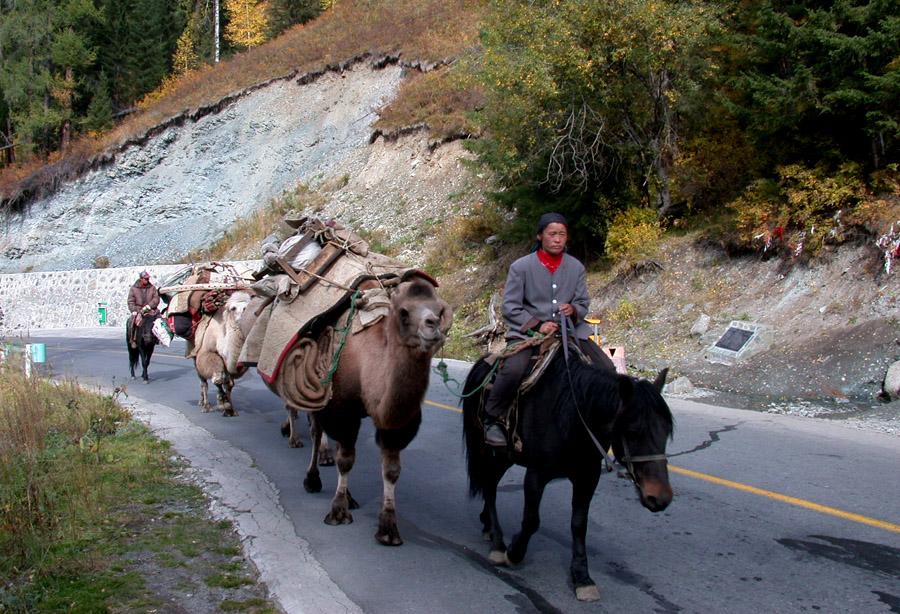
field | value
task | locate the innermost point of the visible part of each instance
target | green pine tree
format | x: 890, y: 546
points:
x: 282, y: 14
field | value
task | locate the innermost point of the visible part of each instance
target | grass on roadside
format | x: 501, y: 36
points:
x: 94, y: 517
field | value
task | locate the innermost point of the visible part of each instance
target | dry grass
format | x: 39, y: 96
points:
x: 424, y: 32
x: 441, y: 100
x: 44, y: 428
x: 93, y: 517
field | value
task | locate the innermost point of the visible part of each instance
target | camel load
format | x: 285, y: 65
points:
x: 200, y: 290
x: 338, y: 332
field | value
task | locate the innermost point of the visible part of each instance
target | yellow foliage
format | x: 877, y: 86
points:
x: 633, y: 234
x: 247, y: 23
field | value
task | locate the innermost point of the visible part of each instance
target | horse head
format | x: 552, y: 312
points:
x: 642, y: 427
x: 418, y: 316
x: 146, y: 331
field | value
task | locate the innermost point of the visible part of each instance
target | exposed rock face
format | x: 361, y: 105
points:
x: 184, y: 187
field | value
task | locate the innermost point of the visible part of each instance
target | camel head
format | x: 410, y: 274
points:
x: 236, y: 305
x: 418, y: 316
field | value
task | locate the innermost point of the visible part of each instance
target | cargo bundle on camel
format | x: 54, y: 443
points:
x: 205, y: 303
x: 339, y: 332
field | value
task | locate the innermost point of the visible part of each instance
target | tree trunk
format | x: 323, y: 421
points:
x: 216, y: 28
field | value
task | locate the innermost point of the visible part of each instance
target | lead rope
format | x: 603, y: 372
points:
x: 336, y: 359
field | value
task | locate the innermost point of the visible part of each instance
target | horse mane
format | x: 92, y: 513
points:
x: 581, y: 386
x: 649, y: 399
x: 596, y: 388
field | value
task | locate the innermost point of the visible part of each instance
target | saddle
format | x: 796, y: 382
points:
x: 549, y: 348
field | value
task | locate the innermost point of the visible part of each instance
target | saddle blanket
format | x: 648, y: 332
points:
x: 295, y: 314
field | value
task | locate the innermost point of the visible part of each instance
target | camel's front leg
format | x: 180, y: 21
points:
x: 204, y: 395
x: 340, y: 505
x: 387, y: 532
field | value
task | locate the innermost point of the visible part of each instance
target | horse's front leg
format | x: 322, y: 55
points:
x: 387, y: 533
x: 582, y: 492
x: 293, y: 436
x: 326, y: 458
x: 531, y: 519
x: 340, y: 505
x: 490, y: 521
x: 145, y: 362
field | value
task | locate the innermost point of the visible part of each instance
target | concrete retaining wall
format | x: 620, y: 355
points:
x: 69, y: 299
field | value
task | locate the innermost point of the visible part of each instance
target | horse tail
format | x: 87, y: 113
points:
x: 473, y: 432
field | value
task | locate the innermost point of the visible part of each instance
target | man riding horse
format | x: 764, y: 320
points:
x: 143, y: 299
x: 540, y: 286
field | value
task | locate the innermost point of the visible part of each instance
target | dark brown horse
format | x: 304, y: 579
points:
x: 617, y: 410
x: 143, y: 346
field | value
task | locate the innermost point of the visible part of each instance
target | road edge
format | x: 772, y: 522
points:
x: 243, y: 494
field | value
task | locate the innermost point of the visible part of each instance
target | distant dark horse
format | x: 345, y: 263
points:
x: 628, y: 413
x: 146, y: 342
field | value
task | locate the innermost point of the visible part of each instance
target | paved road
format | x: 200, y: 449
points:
x: 772, y: 513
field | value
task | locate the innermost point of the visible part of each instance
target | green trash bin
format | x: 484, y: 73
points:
x: 101, y: 312
x: 38, y: 352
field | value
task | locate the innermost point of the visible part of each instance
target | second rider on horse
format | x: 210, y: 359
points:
x: 143, y: 299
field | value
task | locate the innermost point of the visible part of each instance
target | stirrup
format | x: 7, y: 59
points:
x: 495, y: 434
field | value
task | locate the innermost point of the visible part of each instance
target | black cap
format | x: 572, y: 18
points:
x: 551, y: 218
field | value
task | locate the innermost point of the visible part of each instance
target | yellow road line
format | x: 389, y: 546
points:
x: 881, y: 524
x: 456, y: 409
x: 889, y: 526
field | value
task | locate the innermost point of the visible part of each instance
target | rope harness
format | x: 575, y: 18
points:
x: 336, y: 358
x: 494, y: 359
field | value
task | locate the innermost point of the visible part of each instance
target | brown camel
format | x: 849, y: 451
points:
x: 216, y: 356
x: 383, y: 373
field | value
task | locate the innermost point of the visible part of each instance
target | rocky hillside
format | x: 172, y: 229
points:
x: 834, y: 325
x: 185, y: 184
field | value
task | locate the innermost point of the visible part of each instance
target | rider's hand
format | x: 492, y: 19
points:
x: 548, y: 328
x: 567, y: 309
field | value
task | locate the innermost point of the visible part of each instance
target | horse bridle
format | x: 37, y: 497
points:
x: 628, y: 459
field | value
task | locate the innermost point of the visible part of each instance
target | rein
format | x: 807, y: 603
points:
x: 610, y: 461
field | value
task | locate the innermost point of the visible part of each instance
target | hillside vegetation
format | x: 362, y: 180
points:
x: 426, y: 34
x: 780, y: 119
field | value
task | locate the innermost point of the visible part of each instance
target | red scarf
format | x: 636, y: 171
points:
x: 551, y: 262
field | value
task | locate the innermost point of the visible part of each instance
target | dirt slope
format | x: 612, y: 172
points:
x: 835, y: 326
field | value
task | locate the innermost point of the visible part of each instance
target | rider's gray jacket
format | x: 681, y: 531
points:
x: 533, y: 295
